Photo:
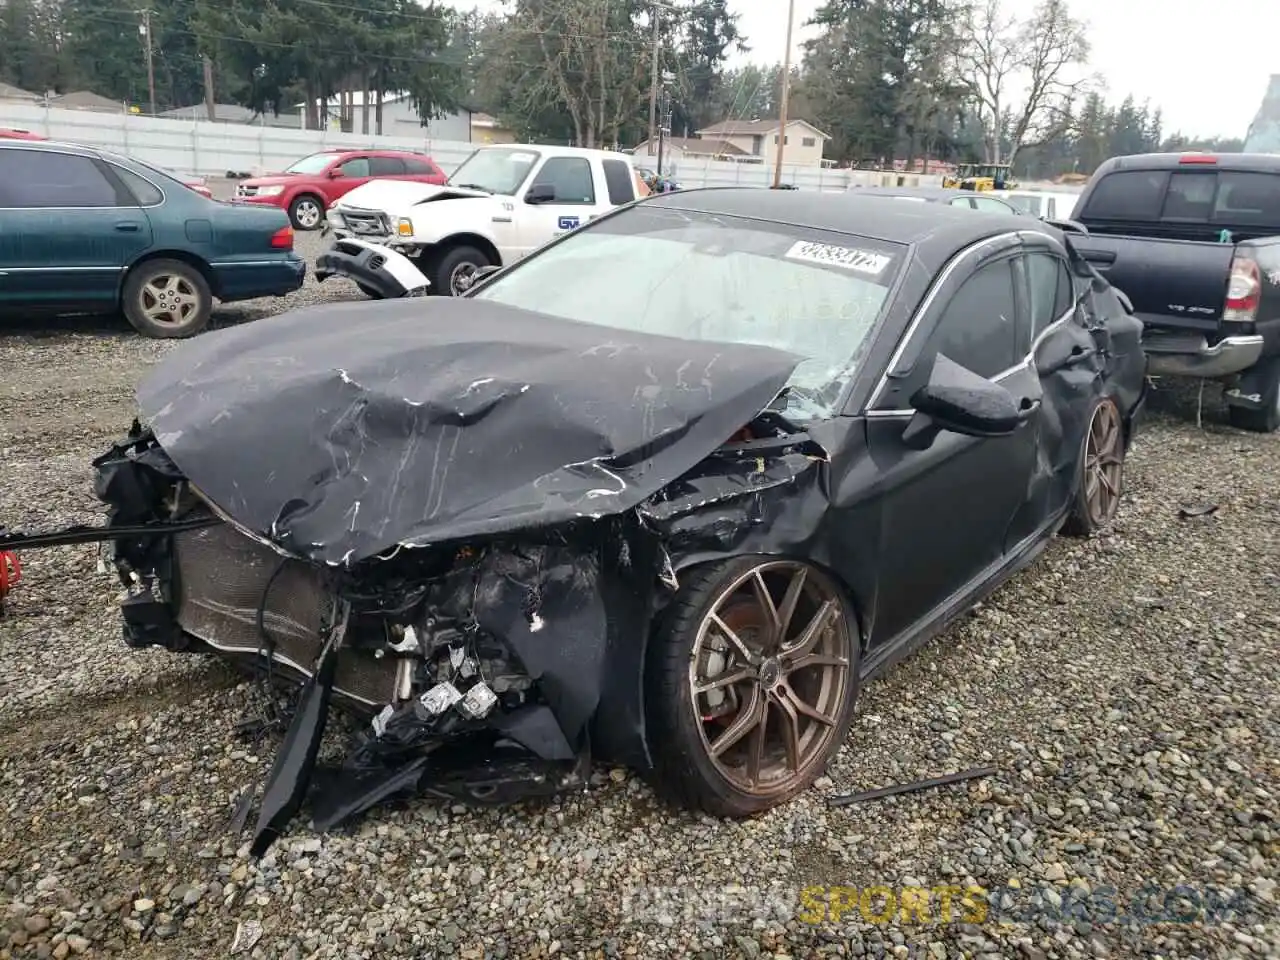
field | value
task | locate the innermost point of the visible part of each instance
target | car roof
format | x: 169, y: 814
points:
x: 928, y: 194
x: 56, y: 146
x: 856, y: 213
x: 1256, y: 162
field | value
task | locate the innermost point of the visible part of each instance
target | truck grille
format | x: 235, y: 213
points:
x: 243, y: 191
x: 222, y: 576
x: 366, y: 223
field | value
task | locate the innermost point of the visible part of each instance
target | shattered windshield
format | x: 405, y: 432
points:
x: 496, y: 171
x: 703, y: 277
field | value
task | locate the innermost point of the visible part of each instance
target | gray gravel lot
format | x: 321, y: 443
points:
x: 1125, y: 687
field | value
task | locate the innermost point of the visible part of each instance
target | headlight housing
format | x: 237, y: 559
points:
x: 271, y: 191
x: 404, y: 227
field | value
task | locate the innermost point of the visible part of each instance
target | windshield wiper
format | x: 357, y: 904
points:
x: 471, y: 186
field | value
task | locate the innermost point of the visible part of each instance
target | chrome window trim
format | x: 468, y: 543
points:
x: 912, y: 328
x: 934, y: 291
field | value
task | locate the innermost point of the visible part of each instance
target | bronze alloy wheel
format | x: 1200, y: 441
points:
x: 169, y: 300
x: 1103, y: 464
x: 770, y: 676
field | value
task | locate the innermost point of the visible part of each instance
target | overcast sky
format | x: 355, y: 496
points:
x: 1205, y: 62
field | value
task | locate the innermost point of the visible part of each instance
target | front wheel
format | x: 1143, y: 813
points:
x: 167, y: 299
x: 454, y: 271
x: 1100, y: 480
x: 306, y: 212
x: 751, y: 684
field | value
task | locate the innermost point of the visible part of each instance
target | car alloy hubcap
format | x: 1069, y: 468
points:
x: 1104, y: 463
x: 769, y: 675
x: 169, y: 299
x: 308, y: 213
x: 464, y: 275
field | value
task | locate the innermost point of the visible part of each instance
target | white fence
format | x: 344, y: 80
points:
x: 213, y: 149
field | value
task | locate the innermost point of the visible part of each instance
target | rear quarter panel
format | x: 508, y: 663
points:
x: 1267, y: 254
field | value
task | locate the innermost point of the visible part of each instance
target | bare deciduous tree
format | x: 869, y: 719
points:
x: 1024, y: 75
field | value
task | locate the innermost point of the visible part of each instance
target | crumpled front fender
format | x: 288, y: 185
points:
x: 374, y: 267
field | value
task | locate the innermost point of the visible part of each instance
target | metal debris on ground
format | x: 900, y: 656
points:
x: 850, y: 798
x: 248, y: 933
x: 1198, y: 510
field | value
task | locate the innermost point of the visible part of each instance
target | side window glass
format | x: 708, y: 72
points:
x: 1129, y: 195
x: 356, y: 167
x: 1248, y: 200
x: 963, y: 202
x: 145, y: 192
x: 384, y: 167
x: 46, y: 179
x: 570, y: 177
x: 1051, y: 293
x: 977, y: 329
x: 1190, y: 196
x: 991, y: 206
x: 617, y: 177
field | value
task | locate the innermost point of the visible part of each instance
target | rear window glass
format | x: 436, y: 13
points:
x: 1248, y: 199
x: 1190, y: 196
x: 1128, y: 195
x: 617, y: 177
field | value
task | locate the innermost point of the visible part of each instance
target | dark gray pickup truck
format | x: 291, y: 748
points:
x: 1193, y: 240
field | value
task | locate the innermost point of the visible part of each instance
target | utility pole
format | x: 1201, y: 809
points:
x: 782, y: 103
x: 209, y: 102
x: 655, y: 74
x: 145, y: 30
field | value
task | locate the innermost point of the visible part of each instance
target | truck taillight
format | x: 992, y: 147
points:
x: 1243, y: 289
x: 282, y: 239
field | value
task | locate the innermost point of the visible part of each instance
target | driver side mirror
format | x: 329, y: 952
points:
x: 958, y: 400
x: 335, y: 173
x: 541, y: 193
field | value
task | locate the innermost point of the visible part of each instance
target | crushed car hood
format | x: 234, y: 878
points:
x: 402, y: 194
x: 339, y: 432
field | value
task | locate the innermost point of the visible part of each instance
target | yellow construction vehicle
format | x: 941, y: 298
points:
x: 981, y: 176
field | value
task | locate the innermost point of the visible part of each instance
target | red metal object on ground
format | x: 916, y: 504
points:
x: 10, y: 574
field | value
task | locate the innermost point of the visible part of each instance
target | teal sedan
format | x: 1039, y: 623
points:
x: 84, y: 230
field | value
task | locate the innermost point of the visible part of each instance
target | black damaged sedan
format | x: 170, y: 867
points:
x: 664, y: 493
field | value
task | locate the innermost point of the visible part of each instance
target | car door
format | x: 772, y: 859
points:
x: 945, y: 509
x: 1061, y: 354
x: 575, y: 199
x: 352, y: 172
x: 68, y: 229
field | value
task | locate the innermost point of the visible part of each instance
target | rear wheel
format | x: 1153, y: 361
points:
x: 751, y: 685
x: 1101, y: 476
x: 167, y: 299
x: 306, y: 212
x: 1267, y: 418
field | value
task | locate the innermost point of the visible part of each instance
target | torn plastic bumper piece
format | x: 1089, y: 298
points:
x: 290, y: 775
x: 374, y: 267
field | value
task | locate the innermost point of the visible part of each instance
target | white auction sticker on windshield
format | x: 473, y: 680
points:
x: 849, y: 258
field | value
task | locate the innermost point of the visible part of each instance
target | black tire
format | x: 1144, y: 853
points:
x: 146, y: 301
x: 1267, y: 418
x: 369, y: 292
x: 451, y: 264
x: 1086, y: 518
x: 684, y: 772
x: 306, y: 212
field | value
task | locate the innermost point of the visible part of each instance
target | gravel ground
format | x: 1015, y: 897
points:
x: 1124, y: 688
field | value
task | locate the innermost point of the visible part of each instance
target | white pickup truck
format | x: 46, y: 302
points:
x: 502, y: 203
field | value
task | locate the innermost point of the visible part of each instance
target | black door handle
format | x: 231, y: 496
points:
x: 126, y: 226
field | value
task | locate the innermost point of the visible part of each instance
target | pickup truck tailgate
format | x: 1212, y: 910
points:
x: 1171, y: 283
